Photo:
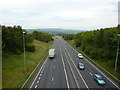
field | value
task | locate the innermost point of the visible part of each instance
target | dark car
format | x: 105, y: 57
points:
x: 98, y: 79
x: 81, y: 66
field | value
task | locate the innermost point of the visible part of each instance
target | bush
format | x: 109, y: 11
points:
x: 41, y: 36
x: 12, y: 39
x: 30, y: 48
x: 100, y: 43
x: 87, y: 50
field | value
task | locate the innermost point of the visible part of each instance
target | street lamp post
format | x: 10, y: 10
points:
x: 24, y: 52
x: 117, y: 54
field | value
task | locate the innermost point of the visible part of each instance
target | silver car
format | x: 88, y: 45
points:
x: 81, y: 66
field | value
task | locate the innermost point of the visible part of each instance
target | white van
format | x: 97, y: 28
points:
x: 51, y: 53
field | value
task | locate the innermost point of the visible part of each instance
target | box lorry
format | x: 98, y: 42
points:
x: 51, y: 53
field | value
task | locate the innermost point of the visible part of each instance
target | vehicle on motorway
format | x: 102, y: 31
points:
x: 81, y: 66
x: 51, y: 53
x: 80, y: 56
x: 98, y: 79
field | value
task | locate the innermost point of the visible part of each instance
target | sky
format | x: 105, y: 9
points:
x: 67, y: 14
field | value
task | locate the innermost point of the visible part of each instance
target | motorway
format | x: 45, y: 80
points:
x: 62, y: 71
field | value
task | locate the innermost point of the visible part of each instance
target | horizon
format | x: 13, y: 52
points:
x: 71, y: 28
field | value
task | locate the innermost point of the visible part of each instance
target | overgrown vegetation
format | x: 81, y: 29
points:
x: 12, y: 39
x: 100, y: 45
x: 13, y: 58
x: 42, y: 36
x: 68, y: 36
x: 13, y: 65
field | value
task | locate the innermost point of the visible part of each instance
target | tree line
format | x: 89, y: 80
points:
x: 100, y: 44
x: 12, y: 39
x: 45, y: 37
x: 68, y: 36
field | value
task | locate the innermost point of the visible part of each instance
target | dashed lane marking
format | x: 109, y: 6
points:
x: 41, y: 71
x: 53, y: 78
x: 54, y: 67
x: 40, y: 74
x: 64, y: 68
x: 54, y: 83
x: 35, y: 86
x: 90, y: 73
x: 37, y: 81
x: 97, y: 68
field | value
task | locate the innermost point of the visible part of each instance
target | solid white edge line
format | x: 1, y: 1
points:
x: 72, y: 72
x: 31, y: 74
x: 35, y: 86
x: 97, y: 69
x: 77, y: 70
x: 64, y: 68
x: 38, y: 73
x: 103, y: 74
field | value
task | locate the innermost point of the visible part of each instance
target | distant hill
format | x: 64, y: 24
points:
x: 55, y: 30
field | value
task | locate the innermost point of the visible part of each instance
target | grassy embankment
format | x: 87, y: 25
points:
x: 13, y: 65
x: 105, y: 64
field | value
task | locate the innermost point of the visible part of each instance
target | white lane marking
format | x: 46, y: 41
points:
x: 77, y: 69
x: 39, y: 78
x: 54, y: 67
x: 72, y: 72
x: 64, y: 68
x: 35, y: 86
x: 38, y: 73
x: 44, y: 65
x: 37, y: 81
x: 52, y: 78
x: 90, y: 73
x: 103, y: 74
x: 32, y: 73
x: 41, y: 71
x: 96, y: 68
x: 54, y: 83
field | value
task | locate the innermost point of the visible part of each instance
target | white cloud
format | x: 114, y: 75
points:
x: 76, y: 14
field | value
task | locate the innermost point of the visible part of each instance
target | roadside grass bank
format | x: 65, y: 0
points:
x: 13, y: 65
x: 107, y: 65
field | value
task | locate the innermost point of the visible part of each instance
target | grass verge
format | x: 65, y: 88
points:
x: 105, y: 64
x: 13, y: 65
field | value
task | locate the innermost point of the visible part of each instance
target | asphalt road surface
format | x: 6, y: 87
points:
x: 62, y: 71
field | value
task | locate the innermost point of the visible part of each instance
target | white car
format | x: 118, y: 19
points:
x: 80, y: 56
